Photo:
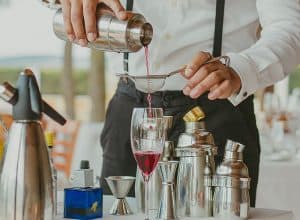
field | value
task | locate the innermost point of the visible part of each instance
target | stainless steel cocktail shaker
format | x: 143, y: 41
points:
x: 113, y: 34
x: 26, y: 188
x: 196, y: 150
x: 232, y: 184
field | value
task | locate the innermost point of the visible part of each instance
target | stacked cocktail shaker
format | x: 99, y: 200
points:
x: 232, y: 184
x: 198, y: 188
x: 195, y: 151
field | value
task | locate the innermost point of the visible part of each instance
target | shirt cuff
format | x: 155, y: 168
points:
x: 248, y: 75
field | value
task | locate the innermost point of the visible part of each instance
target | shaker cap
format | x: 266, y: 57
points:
x: 234, y: 146
x: 84, y: 165
x: 195, y: 114
x: 196, y: 140
x: 140, y: 33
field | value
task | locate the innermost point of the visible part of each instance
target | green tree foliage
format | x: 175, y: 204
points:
x: 50, y: 79
x: 295, y: 79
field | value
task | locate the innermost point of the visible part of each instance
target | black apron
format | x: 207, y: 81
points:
x: 223, y: 119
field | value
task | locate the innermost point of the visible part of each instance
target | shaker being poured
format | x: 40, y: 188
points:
x: 115, y: 35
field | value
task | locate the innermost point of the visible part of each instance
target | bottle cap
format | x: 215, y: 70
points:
x: 49, y: 136
x: 84, y: 165
x: 194, y: 115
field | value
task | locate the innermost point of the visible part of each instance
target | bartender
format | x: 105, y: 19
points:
x: 192, y: 32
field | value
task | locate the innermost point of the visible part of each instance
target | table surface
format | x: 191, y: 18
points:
x: 278, y: 186
x: 255, y: 214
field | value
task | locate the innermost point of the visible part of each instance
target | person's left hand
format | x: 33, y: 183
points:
x: 220, y: 81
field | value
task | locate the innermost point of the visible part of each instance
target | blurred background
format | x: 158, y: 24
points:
x: 74, y: 80
x: 71, y: 77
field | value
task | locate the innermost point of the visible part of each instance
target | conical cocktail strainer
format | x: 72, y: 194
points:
x: 155, y: 82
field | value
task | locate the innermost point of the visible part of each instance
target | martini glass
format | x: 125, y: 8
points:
x: 147, y: 142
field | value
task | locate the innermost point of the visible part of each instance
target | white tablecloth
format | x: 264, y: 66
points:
x: 255, y: 214
x: 279, y: 186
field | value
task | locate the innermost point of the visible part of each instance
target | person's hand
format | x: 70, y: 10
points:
x: 220, y: 81
x: 80, y: 17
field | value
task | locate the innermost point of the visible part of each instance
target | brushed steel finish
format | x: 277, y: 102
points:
x: 167, y: 209
x: 120, y: 207
x: 168, y: 124
x: 26, y: 190
x: 196, y: 150
x: 113, y: 34
x: 194, y: 190
x: 120, y: 186
x: 232, y: 184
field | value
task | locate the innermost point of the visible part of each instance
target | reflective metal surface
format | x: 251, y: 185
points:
x: 120, y: 186
x: 154, y: 184
x: 120, y: 207
x: 167, y: 208
x: 53, y: 4
x: 26, y: 190
x: 155, y: 82
x: 113, y: 34
x: 194, y: 189
x: 232, y: 184
x: 196, y: 150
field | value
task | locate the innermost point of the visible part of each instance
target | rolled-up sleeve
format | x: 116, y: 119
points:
x: 275, y: 54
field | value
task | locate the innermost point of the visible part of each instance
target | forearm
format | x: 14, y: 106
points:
x: 277, y: 52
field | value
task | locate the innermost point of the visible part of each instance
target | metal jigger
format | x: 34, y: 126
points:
x: 120, y: 186
x: 167, y: 208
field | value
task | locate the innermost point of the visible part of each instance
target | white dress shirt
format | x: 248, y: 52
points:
x: 184, y: 27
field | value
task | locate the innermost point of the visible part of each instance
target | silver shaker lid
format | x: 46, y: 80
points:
x: 234, y: 151
x: 234, y: 146
x: 195, y: 143
x: 232, y: 172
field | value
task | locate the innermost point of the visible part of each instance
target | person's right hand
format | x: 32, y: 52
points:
x: 80, y: 17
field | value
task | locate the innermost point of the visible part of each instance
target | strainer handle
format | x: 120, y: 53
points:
x: 223, y: 59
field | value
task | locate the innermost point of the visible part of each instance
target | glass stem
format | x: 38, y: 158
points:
x: 147, y: 197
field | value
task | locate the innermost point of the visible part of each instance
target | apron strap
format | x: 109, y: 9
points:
x: 219, y: 21
x: 129, y: 7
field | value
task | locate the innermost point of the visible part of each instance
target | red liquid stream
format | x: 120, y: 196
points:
x: 149, y: 97
x: 147, y: 161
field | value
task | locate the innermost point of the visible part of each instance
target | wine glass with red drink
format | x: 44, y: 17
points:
x: 147, y: 141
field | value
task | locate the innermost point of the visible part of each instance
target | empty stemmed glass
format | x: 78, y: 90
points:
x: 147, y: 141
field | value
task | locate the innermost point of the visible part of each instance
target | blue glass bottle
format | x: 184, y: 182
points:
x: 83, y: 203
